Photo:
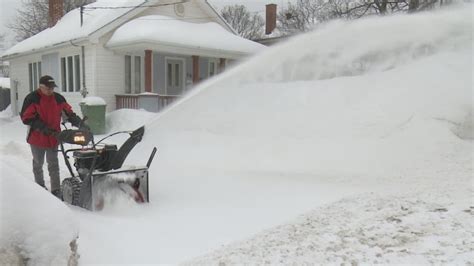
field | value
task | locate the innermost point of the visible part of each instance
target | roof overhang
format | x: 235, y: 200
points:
x: 174, y: 48
x: 46, y: 49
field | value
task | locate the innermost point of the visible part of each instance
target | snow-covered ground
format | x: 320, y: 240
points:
x: 349, y: 144
x: 4, y: 83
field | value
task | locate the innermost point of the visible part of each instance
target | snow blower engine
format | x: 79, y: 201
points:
x: 99, y: 175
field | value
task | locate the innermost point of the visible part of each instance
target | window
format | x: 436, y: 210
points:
x: 133, y: 74
x: 212, y: 69
x: 174, y: 76
x: 77, y: 72
x: 70, y: 73
x: 34, y: 74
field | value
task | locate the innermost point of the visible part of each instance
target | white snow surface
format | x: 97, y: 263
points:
x: 4, y: 83
x: 169, y: 31
x: 93, y: 100
x: 349, y: 144
x: 69, y: 26
x: 32, y: 220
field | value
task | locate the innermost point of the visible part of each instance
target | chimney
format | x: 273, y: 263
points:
x: 271, y: 16
x: 55, y: 12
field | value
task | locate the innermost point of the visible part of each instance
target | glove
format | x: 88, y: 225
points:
x: 84, y: 127
x: 74, y: 120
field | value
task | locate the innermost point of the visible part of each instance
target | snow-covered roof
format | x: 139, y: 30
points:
x: 163, y: 32
x: 69, y: 26
x: 97, y: 16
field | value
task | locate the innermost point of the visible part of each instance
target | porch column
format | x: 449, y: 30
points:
x: 148, y: 72
x: 221, y: 65
x: 195, y: 69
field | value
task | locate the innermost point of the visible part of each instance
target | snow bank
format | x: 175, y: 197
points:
x: 34, y: 222
x: 7, y: 112
x: 4, y: 83
x: 127, y: 119
x: 93, y: 100
x: 424, y: 228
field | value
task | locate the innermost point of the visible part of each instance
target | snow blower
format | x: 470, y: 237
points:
x: 99, y: 169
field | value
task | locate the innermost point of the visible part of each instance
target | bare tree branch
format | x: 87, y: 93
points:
x: 247, y: 25
x: 32, y: 17
x: 304, y: 14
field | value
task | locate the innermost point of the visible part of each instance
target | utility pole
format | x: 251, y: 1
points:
x: 84, y: 91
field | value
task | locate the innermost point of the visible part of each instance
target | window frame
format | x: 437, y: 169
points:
x: 183, y: 74
x: 34, y: 74
x: 130, y: 77
x: 70, y: 72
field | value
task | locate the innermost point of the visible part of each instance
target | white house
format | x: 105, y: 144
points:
x: 133, y: 54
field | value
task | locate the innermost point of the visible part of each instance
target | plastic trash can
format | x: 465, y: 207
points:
x: 94, y: 108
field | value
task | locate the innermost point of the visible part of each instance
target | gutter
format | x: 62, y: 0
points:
x: 45, y: 48
x: 142, y: 44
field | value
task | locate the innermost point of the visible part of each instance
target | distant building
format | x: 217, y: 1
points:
x: 272, y: 33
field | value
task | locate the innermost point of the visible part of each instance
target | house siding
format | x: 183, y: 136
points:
x: 19, y: 80
x: 74, y: 98
x: 110, y: 74
x: 191, y: 9
x: 90, y: 69
x: 50, y: 65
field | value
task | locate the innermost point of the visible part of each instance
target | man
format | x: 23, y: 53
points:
x: 42, y: 111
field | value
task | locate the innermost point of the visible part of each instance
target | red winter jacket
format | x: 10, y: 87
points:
x: 43, y: 114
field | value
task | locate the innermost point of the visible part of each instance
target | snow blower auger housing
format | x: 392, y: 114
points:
x: 99, y: 169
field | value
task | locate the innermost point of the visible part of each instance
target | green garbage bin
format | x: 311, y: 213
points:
x: 94, y: 109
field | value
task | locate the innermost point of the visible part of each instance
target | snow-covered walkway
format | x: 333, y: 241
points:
x: 429, y: 227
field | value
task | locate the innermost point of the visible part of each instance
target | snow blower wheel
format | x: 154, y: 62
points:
x: 71, y: 188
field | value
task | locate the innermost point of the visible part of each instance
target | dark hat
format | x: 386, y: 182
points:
x: 47, y: 81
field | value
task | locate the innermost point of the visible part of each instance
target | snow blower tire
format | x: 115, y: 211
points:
x: 71, y: 188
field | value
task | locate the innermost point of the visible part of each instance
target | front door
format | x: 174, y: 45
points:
x: 174, y: 76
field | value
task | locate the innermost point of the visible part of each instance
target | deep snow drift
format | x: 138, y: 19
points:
x: 368, y: 123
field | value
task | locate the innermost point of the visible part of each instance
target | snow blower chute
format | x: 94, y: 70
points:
x: 99, y: 174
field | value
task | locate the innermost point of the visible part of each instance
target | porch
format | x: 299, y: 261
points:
x: 159, y: 67
x: 148, y: 101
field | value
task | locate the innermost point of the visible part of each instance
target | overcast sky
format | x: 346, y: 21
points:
x: 8, y: 9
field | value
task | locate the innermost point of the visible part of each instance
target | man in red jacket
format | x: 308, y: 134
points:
x: 42, y: 111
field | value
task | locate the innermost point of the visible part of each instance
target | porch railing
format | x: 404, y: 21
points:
x: 129, y: 101
x: 165, y: 100
x: 150, y: 102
